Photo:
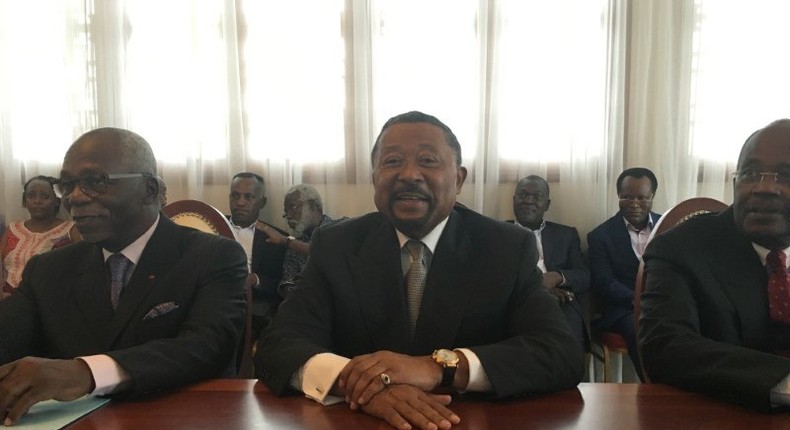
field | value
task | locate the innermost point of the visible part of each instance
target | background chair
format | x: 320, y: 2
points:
x: 675, y: 216
x: 206, y: 218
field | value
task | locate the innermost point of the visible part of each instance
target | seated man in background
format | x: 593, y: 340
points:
x: 615, y: 249
x: 715, y: 313
x: 560, y: 258
x: 399, y: 307
x: 264, y: 258
x: 304, y: 212
x: 141, y: 305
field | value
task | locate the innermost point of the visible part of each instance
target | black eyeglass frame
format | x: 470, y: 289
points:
x: 94, y: 185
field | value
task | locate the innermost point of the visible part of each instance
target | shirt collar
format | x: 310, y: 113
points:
x: 763, y: 252
x: 430, y: 240
x: 648, y: 227
x: 233, y: 224
x: 539, y: 230
x: 135, y: 249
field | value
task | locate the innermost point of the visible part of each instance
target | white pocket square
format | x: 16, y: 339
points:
x: 160, y: 310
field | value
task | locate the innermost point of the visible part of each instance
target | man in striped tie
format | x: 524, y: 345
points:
x: 399, y: 308
x: 716, y: 308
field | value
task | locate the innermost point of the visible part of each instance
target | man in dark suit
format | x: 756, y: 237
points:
x: 356, y: 326
x: 708, y: 322
x: 560, y: 258
x: 615, y: 248
x: 169, y: 312
x: 265, y: 255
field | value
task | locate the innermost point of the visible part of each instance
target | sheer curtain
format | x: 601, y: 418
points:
x: 573, y: 90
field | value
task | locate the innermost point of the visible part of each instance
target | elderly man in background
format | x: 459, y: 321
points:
x: 400, y: 307
x: 141, y: 305
x: 304, y: 213
x: 715, y: 313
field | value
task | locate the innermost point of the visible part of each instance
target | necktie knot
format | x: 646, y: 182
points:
x: 777, y: 261
x: 119, y: 266
x: 415, y: 249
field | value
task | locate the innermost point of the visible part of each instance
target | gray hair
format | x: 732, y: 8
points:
x: 307, y: 193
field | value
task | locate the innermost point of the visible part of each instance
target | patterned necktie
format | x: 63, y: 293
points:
x: 415, y: 280
x: 778, y: 287
x: 119, y: 265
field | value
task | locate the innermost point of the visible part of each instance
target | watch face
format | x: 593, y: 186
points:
x: 446, y: 356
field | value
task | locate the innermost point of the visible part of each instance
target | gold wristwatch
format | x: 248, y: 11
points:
x: 448, y: 359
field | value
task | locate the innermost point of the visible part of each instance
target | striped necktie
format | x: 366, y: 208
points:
x: 415, y: 280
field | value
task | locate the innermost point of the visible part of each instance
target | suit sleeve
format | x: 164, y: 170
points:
x: 674, y: 351
x: 541, y: 355
x: 19, y: 327
x: 604, y: 280
x: 576, y: 273
x: 207, y: 340
x: 302, y: 328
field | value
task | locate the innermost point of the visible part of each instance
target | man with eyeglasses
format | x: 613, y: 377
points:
x: 615, y: 249
x: 140, y: 305
x: 303, y: 210
x: 560, y: 258
x: 715, y: 313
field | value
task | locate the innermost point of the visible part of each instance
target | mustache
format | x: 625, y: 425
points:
x: 410, y: 190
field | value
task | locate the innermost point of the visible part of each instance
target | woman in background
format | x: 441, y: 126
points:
x: 42, y: 232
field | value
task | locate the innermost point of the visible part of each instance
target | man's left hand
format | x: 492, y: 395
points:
x: 360, y: 380
x: 30, y: 380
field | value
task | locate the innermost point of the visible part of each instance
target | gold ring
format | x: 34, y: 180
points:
x: 385, y: 379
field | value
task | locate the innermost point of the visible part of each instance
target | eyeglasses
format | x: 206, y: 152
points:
x: 94, y: 185
x: 754, y: 177
x: 636, y: 199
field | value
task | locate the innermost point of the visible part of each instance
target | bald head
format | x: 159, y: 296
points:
x: 127, y: 148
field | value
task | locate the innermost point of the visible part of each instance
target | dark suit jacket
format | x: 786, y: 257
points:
x: 704, y: 323
x: 562, y: 253
x: 62, y: 308
x: 483, y: 292
x: 613, y: 267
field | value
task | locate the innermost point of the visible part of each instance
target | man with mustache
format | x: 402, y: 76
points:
x: 715, y: 313
x: 264, y: 257
x: 303, y: 210
x: 356, y: 327
x: 139, y: 306
x: 615, y: 248
x: 560, y: 258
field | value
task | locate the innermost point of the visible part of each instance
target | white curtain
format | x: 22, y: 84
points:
x: 573, y: 90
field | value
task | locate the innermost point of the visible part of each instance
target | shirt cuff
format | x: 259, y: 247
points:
x: 316, y: 378
x: 780, y: 394
x: 107, y: 373
x: 478, y: 379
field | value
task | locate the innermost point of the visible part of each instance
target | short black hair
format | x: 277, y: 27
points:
x: 249, y: 175
x: 638, y: 172
x: 414, y: 117
x: 534, y: 178
x: 48, y: 179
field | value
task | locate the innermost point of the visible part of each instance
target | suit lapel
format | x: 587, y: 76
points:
x: 90, y: 291
x: 160, y: 253
x: 378, y: 283
x: 547, y: 242
x: 745, y: 281
x: 450, y: 279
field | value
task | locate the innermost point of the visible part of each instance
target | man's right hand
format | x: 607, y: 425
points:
x: 406, y: 406
x: 30, y: 380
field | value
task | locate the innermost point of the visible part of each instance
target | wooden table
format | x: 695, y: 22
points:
x: 230, y: 404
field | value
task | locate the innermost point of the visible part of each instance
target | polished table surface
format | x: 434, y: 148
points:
x: 230, y: 404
